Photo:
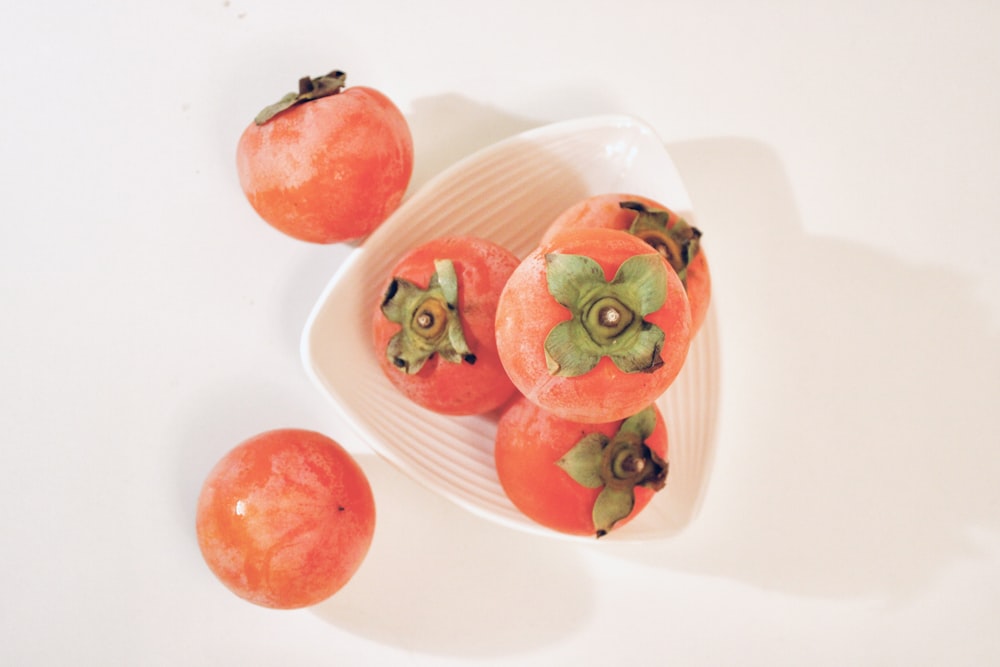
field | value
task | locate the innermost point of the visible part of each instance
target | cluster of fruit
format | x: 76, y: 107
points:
x: 569, y: 347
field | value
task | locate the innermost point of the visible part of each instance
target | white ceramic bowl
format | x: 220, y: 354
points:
x: 508, y: 193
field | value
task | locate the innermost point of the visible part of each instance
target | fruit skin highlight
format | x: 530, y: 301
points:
x: 527, y: 312
x: 329, y: 168
x: 459, y: 386
x: 285, y: 519
x: 605, y: 211
x: 531, y: 441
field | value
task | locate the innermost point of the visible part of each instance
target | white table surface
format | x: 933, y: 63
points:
x: 844, y: 162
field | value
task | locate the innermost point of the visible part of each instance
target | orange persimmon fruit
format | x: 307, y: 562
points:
x: 593, y: 325
x: 327, y: 164
x: 662, y: 228
x: 285, y: 518
x: 579, y: 478
x: 433, y: 328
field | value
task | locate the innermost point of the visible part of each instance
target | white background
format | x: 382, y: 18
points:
x: 843, y: 159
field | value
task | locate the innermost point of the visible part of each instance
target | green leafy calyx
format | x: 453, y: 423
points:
x: 678, y: 244
x: 607, y: 317
x: 309, y: 89
x: 616, y: 465
x: 428, y: 318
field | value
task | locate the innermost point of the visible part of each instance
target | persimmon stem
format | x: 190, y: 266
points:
x: 309, y: 89
x: 633, y: 464
x: 609, y: 316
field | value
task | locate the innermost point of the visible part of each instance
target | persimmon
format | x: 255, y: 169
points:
x: 434, y: 326
x: 662, y: 228
x: 285, y: 518
x: 579, y: 478
x: 593, y: 325
x: 327, y: 164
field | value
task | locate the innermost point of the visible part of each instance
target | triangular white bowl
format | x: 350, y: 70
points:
x: 508, y: 192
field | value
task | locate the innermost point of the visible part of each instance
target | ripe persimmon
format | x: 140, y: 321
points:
x: 286, y: 518
x: 433, y: 327
x: 327, y: 164
x: 593, y: 325
x: 578, y: 478
x: 662, y: 228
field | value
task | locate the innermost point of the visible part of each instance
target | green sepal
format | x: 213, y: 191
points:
x: 640, y: 425
x: 644, y: 353
x: 577, y: 282
x: 571, y: 278
x: 567, y: 354
x: 446, y: 278
x: 645, y: 278
x: 408, y: 305
x: 616, y: 465
x: 309, y: 89
x: 583, y: 461
x: 397, y: 300
x: 612, y: 505
x: 678, y: 244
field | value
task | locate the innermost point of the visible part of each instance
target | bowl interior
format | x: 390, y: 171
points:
x: 507, y: 193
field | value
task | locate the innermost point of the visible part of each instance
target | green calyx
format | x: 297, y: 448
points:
x: 309, y: 89
x: 607, y: 317
x: 616, y: 465
x: 429, y: 320
x: 678, y: 245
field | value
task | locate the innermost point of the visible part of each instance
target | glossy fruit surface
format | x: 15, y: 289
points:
x: 608, y: 369
x: 286, y: 518
x: 433, y: 330
x: 329, y: 168
x: 606, y: 211
x: 531, y: 449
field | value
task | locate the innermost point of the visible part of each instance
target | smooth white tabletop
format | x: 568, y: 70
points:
x: 843, y: 159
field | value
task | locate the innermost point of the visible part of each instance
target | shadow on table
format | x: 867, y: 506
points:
x: 858, y: 445
x: 447, y: 128
x: 440, y: 580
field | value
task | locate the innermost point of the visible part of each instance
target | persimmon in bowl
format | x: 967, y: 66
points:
x: 508, y: 193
